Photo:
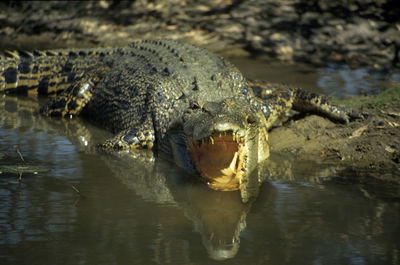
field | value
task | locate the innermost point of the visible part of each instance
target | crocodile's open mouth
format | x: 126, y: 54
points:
x: 220, y: 159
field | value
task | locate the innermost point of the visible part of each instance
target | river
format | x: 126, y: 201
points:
x: 93, y: 208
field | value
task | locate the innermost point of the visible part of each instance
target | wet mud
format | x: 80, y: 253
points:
x: 369, y: 146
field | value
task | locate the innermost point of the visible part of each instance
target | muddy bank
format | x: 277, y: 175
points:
x: 370, y: 146
x: 360, y: 33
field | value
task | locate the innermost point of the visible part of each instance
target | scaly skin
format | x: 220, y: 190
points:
x: 167, y: 96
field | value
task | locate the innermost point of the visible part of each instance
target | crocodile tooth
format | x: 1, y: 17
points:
x: 227, y: 172
x: 232, y: 167
x: 234, y: 162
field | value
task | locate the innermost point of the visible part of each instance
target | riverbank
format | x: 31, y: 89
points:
x: 358, y: 33
x: 370, y: 146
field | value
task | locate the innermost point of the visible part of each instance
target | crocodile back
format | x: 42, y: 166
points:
x: 160, y: 78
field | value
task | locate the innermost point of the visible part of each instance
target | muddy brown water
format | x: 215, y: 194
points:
x: 93, y: 208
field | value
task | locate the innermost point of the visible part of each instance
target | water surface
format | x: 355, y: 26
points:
x: 336, y: 80
x: 134, y: 209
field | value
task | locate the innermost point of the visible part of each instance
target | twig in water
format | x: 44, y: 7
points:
x: 76, y: 190
x: 19, y: 153
x: 79, y: 193
x: 20, y: 177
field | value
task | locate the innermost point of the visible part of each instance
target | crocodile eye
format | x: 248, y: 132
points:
x: 251, y: 120
x: 194, y: 106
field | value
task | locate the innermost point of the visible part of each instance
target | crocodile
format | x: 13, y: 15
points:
x: 174, y: 98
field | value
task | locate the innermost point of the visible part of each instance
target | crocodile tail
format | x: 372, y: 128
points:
x: 45, y: 72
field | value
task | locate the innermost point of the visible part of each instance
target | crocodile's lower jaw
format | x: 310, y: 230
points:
x: 220, y: 160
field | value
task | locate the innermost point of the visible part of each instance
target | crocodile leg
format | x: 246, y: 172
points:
x: 313, y: 103
x: 138, y: 138
x: 276, y: 99
x: 71, y: 101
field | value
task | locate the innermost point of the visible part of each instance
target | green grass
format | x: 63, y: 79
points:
x: 390, y: 96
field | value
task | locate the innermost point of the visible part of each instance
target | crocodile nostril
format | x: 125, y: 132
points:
x: 194, y: 106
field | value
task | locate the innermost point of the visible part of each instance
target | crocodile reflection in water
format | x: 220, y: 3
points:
x: 219, y: 217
